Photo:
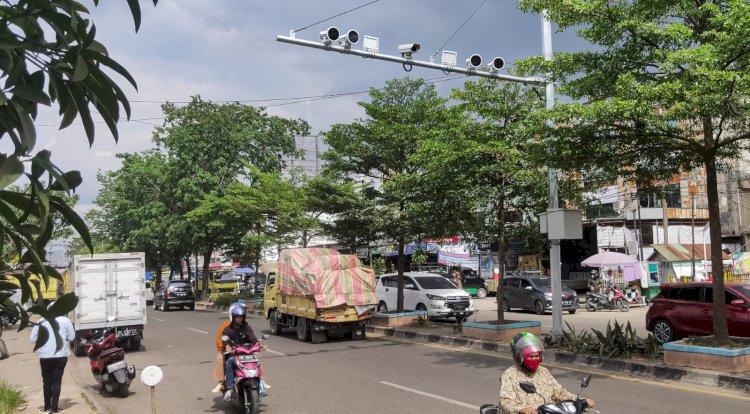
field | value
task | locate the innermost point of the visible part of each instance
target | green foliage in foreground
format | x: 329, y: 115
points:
x: 617, y: 341
x: 11, y: 398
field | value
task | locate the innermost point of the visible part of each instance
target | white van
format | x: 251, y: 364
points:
x: 424, y: 291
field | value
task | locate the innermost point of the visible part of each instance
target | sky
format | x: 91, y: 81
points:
x: 226, y: 50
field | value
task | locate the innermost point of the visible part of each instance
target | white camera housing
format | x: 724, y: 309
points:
x: 351, y: 37
x: 496, y: 64
x: 474, y: 61
x: 408, y: 48
x: 329, y: 35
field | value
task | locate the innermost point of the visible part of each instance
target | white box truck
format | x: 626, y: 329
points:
x: 111, y: 284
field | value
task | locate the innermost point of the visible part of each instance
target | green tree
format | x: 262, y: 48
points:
x: 665, y: 88
x: 483, y: 175
x: 378, y: 150
x: 49, y: 55
x: 138, y: 210
x: 210, y: 146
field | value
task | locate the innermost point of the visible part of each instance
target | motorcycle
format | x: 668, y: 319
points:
x: 7, y: 319
x: 616, y: 300
x: 248, y: 385
x: 577, y: 406
x: 108, y: 361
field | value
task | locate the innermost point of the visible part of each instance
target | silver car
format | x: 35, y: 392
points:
x: 535, y: 293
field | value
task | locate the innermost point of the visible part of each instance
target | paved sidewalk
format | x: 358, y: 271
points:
x: 22, y: 369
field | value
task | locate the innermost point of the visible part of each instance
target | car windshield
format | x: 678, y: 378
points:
x: 541, y: 282
x: 179, y: 285
x: 745, y: 290
x: 435, y: 282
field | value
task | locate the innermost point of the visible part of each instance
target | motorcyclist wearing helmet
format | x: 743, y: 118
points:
x: 527, y: 350
x: 238, y: 332
x: 595, y: 282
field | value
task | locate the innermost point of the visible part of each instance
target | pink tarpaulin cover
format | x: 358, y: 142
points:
x: 631, y: 272
x: 334, y: 279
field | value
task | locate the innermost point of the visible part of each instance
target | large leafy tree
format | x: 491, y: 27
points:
x: 138, y: 210
x: 484, y: 174
x: 378, y: 150
x: 666, y: 87
x: 210, y: 146
x: 49, y: 55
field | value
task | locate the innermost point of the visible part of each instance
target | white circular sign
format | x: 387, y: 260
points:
x: 151, y: 375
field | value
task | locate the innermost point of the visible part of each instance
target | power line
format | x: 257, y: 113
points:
x: 340, y: 14
x: 460, y: 27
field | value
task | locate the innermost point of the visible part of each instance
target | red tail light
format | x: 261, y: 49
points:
x: 166, y: 293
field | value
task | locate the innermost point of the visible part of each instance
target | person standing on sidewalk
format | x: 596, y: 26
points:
x: 53, y: 360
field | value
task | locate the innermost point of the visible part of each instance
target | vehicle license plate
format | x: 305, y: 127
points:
x: 567, y: 303
x: 248, y: 358
x: 125, y: 332
x: 181, y: 294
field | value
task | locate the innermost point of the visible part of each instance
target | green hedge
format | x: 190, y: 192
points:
x: 226, y: 299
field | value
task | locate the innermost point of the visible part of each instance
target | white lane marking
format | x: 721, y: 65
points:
x: 198, y: 330
x: 276, y: 352
x: 157, y: 319
x: 427, y: 394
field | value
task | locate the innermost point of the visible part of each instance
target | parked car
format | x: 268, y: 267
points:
x: 424, y: 291
x: 681, y: 310
x: 174, y: 293
x: 149, y: 293
x: 535, y: 293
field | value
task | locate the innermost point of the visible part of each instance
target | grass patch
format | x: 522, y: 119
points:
x: 11, y: 398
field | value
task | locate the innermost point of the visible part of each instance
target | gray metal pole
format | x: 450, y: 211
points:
x: 553, y: 196
x: 410, y: 62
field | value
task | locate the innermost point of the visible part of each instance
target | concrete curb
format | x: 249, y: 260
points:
x: 634, y: 368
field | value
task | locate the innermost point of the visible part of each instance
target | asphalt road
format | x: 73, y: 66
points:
x: 373, y: 376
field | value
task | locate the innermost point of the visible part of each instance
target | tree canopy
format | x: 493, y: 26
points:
x: 665, y: 88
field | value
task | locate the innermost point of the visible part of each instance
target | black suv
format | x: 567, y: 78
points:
x: 174, y: 293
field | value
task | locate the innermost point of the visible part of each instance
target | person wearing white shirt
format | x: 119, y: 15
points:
x: 53, y: 360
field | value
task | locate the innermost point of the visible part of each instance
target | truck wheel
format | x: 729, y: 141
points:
x: 78, y: 348
x: 358, y: 332
x: 135, y: 343
x: 273, y: 322
x: 318, y: 337
x: 303, y: 329
x: 481, y: 293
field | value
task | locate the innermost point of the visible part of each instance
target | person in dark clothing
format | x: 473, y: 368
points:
x: 53, y: 360
x: 238, y: 332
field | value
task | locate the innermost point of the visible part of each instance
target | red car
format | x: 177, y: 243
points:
x: 685, y: 309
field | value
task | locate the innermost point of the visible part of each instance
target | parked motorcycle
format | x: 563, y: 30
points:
x: 576, y: 406
x: 108, y: 361
x: 248, y: 385
x: 616, y: 300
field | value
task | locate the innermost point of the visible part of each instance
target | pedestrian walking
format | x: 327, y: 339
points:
x: 53, y: 360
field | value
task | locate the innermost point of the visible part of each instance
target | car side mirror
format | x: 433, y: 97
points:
x: 527, y: 387
x: 585, y: 381
x: 529, y: 288
x: 737, y: 302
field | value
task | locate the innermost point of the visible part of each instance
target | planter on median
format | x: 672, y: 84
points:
x: 719, y: 359
x: 396, y: 319
x: 493, y: 331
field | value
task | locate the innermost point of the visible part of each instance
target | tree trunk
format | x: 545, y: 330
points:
x: 400, y: 292
x: 206, y: 262
x: 721, y: 331
x: 187, y: 262
x: 304, y: 238
x: 500, y: 256
x: 157, y: 275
